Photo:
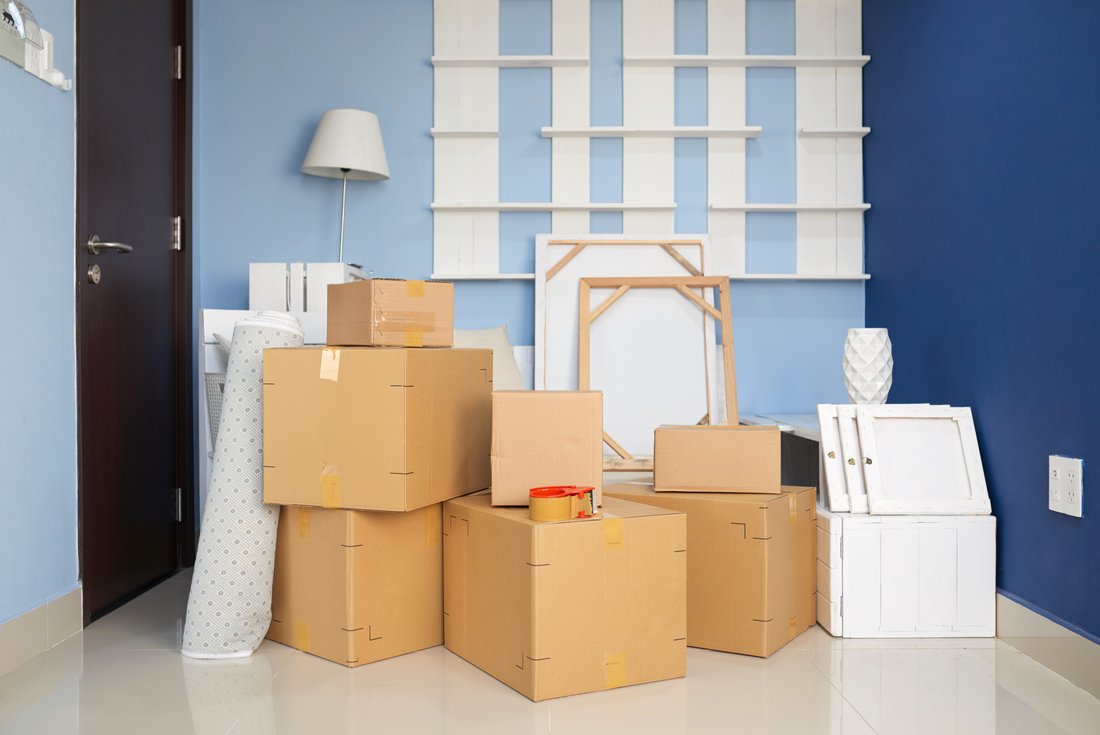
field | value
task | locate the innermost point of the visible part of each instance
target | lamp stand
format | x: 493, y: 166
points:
x: 343, y: 206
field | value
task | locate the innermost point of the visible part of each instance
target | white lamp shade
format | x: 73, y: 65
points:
x: 347, y: 139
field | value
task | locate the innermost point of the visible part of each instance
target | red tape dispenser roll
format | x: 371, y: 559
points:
x: 562, y: 503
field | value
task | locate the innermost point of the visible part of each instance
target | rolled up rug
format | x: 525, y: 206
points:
x: 229, y: 608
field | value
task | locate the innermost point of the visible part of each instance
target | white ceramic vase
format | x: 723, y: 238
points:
x: 868, y: 365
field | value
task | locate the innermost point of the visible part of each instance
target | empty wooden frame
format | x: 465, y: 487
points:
x: 684, y: 286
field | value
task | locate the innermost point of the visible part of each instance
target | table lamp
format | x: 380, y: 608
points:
x: 347, y: 145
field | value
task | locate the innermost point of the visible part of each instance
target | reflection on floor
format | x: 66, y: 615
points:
x: 124, y: 675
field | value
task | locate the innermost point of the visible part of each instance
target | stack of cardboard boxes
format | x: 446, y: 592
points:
x: 378, y: 446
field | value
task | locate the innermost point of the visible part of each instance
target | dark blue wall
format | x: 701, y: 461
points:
x: 983, y: 168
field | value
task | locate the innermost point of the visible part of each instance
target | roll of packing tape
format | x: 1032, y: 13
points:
x: 561, y: 503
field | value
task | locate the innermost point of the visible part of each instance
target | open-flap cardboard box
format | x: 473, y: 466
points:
x: 751, y: 565
x: 356, y: 587
x: 553, y: 609
x: 391, y: 312
x: 717, y: 459
x: 375, y: 428
x: 545, y: 437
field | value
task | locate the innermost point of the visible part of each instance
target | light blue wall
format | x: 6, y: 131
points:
x: 38, y: 526
x: 265, y: 77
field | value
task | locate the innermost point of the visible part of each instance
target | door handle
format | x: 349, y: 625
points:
x: 94, y: 246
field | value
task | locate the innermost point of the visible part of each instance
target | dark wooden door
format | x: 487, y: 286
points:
x: 131, y: 323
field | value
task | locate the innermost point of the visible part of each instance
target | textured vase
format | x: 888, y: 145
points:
x: 868, y: 365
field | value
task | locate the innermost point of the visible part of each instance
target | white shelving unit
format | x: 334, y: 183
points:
x: 483, y: 276
x: 833, y: 132
x: 679, y: 131
x: 549, y: 207
x: 458, y: 133
x: 735, y: 277
x: 513, y: 61
x: 706, y: 60
x: 792, y: 207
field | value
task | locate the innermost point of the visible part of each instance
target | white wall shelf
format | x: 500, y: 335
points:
x: 800, y: 277
x: 483, y: 276
x: 467, y: 133
x: 550, y: 207
x: 746, y: 60
x: 509, y: 61
x: 735, y: 277
x: 751, y: 207
x: 679, y: 131
x: 833, y: 132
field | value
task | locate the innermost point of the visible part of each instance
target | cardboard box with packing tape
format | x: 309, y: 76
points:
x: 391, y: 312
x: 559, y: 608
x: 356, y: 587
x: 371, y: 428
x: 750, y: 567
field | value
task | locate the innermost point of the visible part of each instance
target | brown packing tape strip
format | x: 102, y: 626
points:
x: 330, y: 365
x: 414, y: 337
x: 612, y: 533
x: 615, y: 670
x: 414, y: 289
x: 330, y: 487
x: 425, y: 320
x: 792, y: 503
x: 301, y: 637
x: 304, y: 522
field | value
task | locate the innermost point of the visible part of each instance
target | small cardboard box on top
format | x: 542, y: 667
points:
x: 391, y: 312
x: 356, y: 587
x: 375, y: 428
x: 717, y: 459
x: 559, y: 608
x: 545, y: 437
x: 751, y: 565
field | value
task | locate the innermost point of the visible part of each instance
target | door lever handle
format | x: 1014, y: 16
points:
x: 94, y: 246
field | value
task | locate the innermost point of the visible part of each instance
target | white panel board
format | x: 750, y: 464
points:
x: 936, y: 608
x: 726, y: 156
x: 899, y: 575
x: 569, y: 161
x: 622, y: 334
x: 977, y: 575
x: 467, y: 168
x: 649, y: 99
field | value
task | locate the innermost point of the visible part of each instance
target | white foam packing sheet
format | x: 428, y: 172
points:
x: 652, y: 352
x: 229, y: 607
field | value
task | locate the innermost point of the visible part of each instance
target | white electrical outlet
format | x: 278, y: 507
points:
x: 1054, y: 483
x: 1065, y: 483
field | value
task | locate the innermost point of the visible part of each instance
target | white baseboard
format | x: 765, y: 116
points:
x: 40, y: 629
x: 1063, y: 651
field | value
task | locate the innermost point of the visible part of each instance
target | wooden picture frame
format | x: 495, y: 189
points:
x: 922, y: 460
x: 684, y: 286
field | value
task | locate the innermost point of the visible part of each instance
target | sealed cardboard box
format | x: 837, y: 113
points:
x: 545, y: 438
x: 716, y: 459
x: 356, y: 587
x: 751, y: 565
x: 391, y: 312
x: 559, y: 608
x: 370, y: 428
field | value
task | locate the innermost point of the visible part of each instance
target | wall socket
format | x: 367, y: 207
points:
x: 1065, y: 485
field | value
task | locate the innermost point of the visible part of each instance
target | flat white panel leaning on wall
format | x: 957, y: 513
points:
x: 467, y: 147
x: 569, y: 157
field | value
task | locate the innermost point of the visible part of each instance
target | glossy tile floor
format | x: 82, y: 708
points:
x: 124, y: 674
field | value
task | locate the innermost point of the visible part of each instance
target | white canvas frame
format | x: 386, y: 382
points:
x: 851, y: 459
x: 835, y: 490
x: 968, y: 478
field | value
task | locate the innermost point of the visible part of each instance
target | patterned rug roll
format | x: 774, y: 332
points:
x: 229, y: 609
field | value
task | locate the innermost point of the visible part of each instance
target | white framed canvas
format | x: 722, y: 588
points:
x: 835, y: 492
x: 921, y: 459
x: 851, y: 458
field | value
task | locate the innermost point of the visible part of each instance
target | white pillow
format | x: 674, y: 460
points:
x: 506, y: 374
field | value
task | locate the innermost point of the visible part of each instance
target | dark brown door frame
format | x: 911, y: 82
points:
x: 182, y: 287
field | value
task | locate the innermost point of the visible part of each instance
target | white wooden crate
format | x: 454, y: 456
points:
x: 906, y: 576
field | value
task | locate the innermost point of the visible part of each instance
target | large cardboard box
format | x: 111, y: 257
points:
x: 391, y: 312
x: 716, y: 459
x: 545, y: 438
x: 751, y: 585
x: 553, y: 609
x: 356, y: 587
x: 375, y: 428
